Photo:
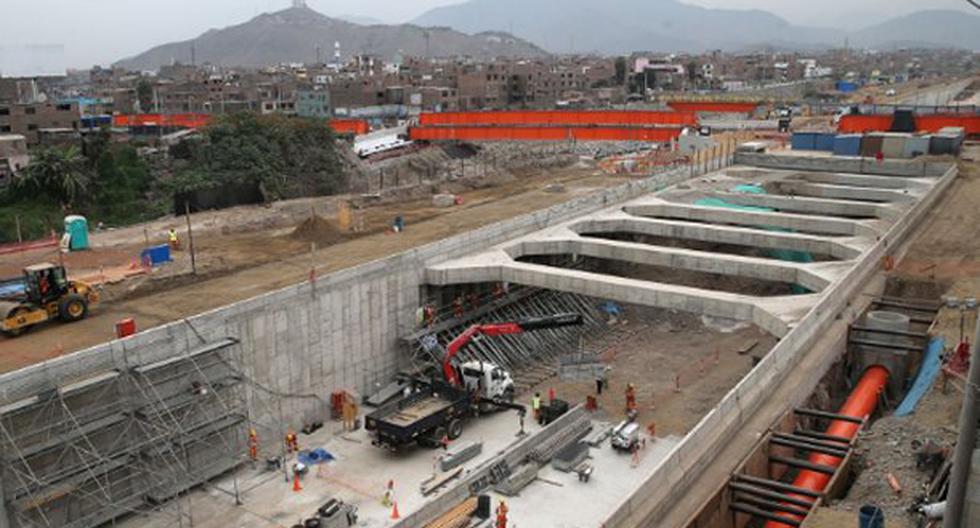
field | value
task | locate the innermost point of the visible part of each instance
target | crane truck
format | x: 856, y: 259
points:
x: 435, y: 407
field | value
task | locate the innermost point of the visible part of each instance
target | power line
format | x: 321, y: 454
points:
x: 974, y: 3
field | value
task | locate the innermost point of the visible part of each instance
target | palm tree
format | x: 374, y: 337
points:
x: 56, y: 172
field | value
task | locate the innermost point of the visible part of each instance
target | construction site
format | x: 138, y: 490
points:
x: 565, y: 319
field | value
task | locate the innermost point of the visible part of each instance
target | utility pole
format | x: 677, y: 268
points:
x: 966, y: 443
x: 190, y: 237
x: 20, y: 237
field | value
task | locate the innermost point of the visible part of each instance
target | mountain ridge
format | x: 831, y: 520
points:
x: 671, y: 26
x: 293, y: 35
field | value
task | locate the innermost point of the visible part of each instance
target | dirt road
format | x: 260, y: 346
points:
x: 270, y: 260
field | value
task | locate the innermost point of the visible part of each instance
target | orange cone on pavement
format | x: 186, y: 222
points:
x: 394, y: 511
x: 296, y: 486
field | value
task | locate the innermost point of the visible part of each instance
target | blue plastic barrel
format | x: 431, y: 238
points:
x: 871, y: 516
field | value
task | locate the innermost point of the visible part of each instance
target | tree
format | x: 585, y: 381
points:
x: 620, y: 66
x: 120, y: 185
x: 144, y: 95
x: 692, y: 72
x: 284, y: 157
x: 58, y: 173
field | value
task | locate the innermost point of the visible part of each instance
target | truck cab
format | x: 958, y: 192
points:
x: 488, y: 380
x: 625, y: 436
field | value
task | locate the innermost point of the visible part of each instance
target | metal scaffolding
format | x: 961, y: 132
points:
x: 532, y: 356
x: 132, y: 440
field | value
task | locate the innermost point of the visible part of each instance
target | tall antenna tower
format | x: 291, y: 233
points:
x: 299, y: 4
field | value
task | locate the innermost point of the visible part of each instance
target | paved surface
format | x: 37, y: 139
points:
x: 360, y: 474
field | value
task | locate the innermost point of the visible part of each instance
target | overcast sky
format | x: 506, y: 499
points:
x: 102, y: 31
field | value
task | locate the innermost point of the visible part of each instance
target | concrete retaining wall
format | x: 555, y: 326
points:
x: 306, y: 341
x: 843, y: 164
x: 671, y: 480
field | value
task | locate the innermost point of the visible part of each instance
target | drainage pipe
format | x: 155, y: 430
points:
x: 860, y: 404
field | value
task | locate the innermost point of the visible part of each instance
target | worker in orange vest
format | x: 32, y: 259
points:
x: 502, y: 515
x: 253, y: 445
x: 292, y: 443
x: 630, y: 399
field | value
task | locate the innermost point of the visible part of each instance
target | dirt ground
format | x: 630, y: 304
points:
x: 651, y: 348
x: 946, y: 250
x: 236, y: 262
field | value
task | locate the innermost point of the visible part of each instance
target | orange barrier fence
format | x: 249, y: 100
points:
x: 859, y: 124
x: 932, y: 123
x: 543, y: 133
x: 559, y: 117
x: 161, y: 120
x: 340, y: 126
x: 713, y: 106
x: 350, y: 126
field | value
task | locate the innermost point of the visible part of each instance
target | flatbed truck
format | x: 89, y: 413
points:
x: 434, y: 409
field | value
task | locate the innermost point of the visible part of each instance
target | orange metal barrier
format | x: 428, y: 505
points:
x: 542, y: 133
x: 932, y: 123
x: 859, y: 124
x: 161, y: 120
x: 713, y: 106
x: 559, y: 117
x: 350, y: 126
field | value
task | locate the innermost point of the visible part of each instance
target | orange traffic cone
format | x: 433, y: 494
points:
x: 394, y: 511
x: 296, y: 486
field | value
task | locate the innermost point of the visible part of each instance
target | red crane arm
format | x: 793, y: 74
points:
x: 498, y: 329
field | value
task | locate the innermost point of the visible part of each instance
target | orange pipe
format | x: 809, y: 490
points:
x: 859, y: 404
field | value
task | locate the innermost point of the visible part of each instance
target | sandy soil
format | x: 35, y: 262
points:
x: 236, y: 266
x: 652, y: 347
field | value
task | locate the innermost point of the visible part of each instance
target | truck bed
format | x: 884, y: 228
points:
x: 428, y: 406
x: 417, y: 415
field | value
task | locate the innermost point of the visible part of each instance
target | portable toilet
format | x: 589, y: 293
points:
x: 76, y: 227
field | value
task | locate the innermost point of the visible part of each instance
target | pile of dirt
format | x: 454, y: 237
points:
x: 319, y: 231
x: 889, y: 447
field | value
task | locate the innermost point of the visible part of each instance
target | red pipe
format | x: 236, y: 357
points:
x: 859, y: 404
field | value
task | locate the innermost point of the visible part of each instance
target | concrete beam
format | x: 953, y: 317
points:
x: 648, y: 293
x: 845, y: 192
x: 625, y: 223
x: 863, y: 180
x: 817, y: 206
x: 758, y: 220
x: 818, y: 163
x: 699, y: 261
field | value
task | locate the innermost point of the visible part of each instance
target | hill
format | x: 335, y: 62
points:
x: 935, y: 28
x: 292, y: 35
x: 622, y: 26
